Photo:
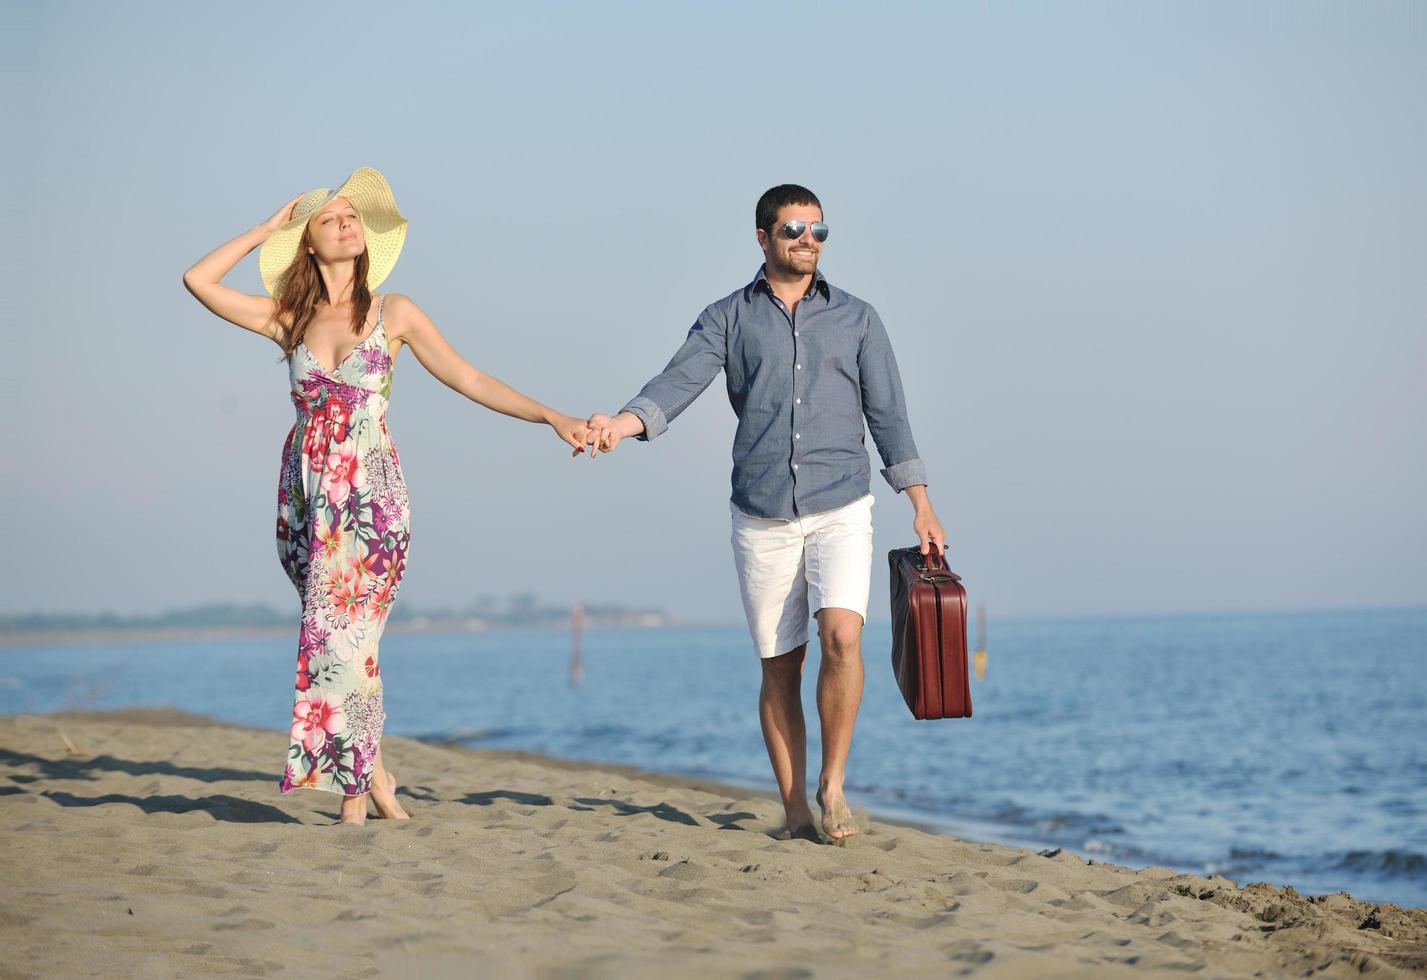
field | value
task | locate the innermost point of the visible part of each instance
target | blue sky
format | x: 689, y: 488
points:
x: 1153, y: 272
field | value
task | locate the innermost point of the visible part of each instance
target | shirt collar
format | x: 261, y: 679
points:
x: 760, y: 281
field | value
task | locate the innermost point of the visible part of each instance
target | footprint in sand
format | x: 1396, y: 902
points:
x: 1023, y: 885
x: 352, y: 915
x: 685, y: 871
x: 247, y: 925
x: 968, y: 951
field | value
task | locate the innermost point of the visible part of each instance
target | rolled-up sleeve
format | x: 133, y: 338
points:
x: 691, y: 370
x: 885, y: 406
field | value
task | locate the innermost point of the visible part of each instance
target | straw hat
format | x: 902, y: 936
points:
x: 382, y: 225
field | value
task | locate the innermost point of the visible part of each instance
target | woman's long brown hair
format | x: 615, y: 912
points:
x: 302, y: 288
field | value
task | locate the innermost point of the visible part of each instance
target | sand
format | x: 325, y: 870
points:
x: 155, y: 844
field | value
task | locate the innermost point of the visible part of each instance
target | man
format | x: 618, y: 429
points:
x: 805, y: 362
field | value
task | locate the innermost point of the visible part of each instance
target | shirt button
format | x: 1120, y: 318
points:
x: 797, y: 435
x: 798, y: 366
x: 795, y: 466
x: 797, y: 401
x: 796, y: 334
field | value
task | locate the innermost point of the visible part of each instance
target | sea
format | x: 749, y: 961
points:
x: 1281, y: 747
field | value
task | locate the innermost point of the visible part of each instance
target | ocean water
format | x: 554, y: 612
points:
x: 1287, y: 747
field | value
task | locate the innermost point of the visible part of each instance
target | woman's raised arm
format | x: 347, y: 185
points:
x: 204, y: 279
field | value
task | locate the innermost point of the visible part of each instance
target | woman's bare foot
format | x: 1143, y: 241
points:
x: 354, y: 810
x: 837, y: 815
x: 384, y: 796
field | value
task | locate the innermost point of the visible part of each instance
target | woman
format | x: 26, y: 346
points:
x: 343, y: 515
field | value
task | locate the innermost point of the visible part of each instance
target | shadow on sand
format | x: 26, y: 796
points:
x: 82, y: 769
x: 229, y: 809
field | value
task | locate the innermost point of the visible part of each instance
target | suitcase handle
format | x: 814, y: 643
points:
x: 934, y: 568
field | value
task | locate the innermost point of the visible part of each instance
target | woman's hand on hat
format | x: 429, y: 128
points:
x: 280, y: 216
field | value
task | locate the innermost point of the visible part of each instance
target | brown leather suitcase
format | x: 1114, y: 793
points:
x: 929, y: 635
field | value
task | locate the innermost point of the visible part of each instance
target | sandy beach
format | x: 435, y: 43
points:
x: 154, y: 843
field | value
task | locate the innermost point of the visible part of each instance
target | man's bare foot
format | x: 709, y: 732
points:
x: 384, y: 796
x: 805, y: 832
x: 837, y: 816
x: 354, y: 810
x: 798, y: 818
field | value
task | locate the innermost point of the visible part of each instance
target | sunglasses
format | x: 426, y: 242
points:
x: 793, y: 230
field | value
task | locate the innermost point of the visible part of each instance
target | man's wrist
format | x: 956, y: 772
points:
x: 627, y: 424
x: 917, y: 494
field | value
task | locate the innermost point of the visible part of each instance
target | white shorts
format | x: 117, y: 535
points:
x: 787, y: 569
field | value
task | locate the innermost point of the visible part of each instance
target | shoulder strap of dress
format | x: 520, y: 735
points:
x: 381, y: 303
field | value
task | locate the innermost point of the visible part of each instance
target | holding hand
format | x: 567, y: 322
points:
x: 605, y: 433
x: 601, y: 434
x: 572, y: 431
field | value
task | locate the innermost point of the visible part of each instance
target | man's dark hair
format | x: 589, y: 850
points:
x: 781, y: 196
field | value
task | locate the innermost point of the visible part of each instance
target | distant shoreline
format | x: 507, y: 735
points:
x: 415, y: 626
x: 447, y: 624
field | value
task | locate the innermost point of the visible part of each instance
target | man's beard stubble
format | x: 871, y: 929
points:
x: 796, y: 265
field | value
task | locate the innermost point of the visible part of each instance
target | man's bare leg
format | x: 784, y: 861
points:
x: 839, y: 697
x: 780, y: 710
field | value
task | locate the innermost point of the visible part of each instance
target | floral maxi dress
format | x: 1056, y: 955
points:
x: 343, y: 528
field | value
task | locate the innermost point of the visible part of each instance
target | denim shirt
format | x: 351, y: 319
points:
x: 800, y: 385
